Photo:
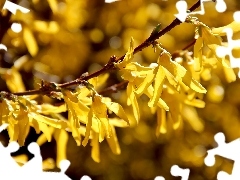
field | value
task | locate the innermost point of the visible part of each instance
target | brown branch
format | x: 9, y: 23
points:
x: 46, y: 88
x: 107, y: 67
x: 178, y: 52
x: 156, y: 36
x: 189, y: 45
x: 113, y: 88
x: 110, y: 65
x: 149, y: 41
x: 31, y: 92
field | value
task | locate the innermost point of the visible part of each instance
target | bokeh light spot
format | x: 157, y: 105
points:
x: 16, y: 27
x: 115, y: 42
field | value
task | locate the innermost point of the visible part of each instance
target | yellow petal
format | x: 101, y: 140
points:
x: 135, y: 70
x: 160, y: 102
x: 158, y: 86
x: 99, y: 81
x: 173, y: 67
x: 88, y: 128
x: 118, y: 110
x: 223, y: 60
x: 161, y: 122
x: 14, y: 80
x: 83, y: 92
x: 61, y: 137
x: 53, y: 5
x: 146, y: 82
x: 43, y: 138
x: 60, y: 124
x: 170, y: 69
x: 76, y: 106
x: 195, y: 102
x: 118, y: 122
x: 235, y: 26
x: 2, y: 4
x: 132, y: 97
x: 74, y: 125
x: 72, y: 103
x: 34, y: 124
x: 229, y: 74
x: 135, y: 66
x: 113, y: 142
x: 193, y: 84
x: 48, y: 108
x: 23, y: 124
x: 198, y: 54
x: 4, y: 111
x: 51, y: 27
x: 100, y: 111
x: 208, y: 37
x: 95, y: 148
x: 46, y: 131
x: 13, y: 129
x: 191, y: 115
x: 175, y: 109
x: 1, y: 112
x: 165, y: 61
x: 83, y: 109
x: 128, y: 75
x: 30, y: 41
x: 172, y: 80
x: 21, y: 159
x: 70, y: 96
x: 128, y: 56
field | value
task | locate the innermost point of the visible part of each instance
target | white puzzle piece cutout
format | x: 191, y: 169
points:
x: 228, y: 150
x: 177, y: 171
x: 159, y: 178
x: 12, y: 7
x: 3, y: 47
x: 236, y: 16
x: 182, y: 8
x: 9, y: 168
x: 223, y: 51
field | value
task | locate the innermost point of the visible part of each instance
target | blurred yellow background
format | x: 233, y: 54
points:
x: 70, y: 37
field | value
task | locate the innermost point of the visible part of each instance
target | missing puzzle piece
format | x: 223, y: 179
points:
x: 182, y: 8
x: 223, y: 51
x: 177, y: 171
x: 227, y: 150
x: 9, y: 168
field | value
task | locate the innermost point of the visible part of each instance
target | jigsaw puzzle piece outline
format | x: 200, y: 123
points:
x: 177, y: 171
x: 181, y: 7
x: 227, y: 150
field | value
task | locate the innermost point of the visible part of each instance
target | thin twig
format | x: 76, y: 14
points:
x: 113, y: 88
x: 149, y: 41
x: 189, y: 45
x: 110, y: 65
x: 31, y: 92
x: 178, y: 52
